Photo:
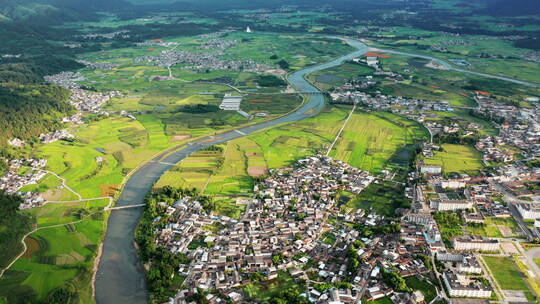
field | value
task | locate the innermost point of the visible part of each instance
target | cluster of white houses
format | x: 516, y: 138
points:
x: 14, y: 180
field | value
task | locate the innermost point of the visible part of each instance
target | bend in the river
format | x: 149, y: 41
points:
x: 120, y: 277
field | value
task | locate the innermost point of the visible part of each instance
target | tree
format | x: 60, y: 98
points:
x: 9, y: 206
x: 278, y: 258
x: 283, y: 64
x: 62, y: 295
x: 395, y: 281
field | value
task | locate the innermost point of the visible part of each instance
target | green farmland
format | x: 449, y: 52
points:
x: 104, y: 151
x: 369, y: 141
x: 457, y: 159
x: 338, y: 75
x: 61, y: 252
x: 507, y: 274
x: 495, y: 227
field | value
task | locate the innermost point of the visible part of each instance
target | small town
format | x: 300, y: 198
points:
x: 23, y: 172
x: 294, y: 225
x: 202, y: 61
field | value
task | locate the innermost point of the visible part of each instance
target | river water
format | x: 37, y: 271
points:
x: 120, y: 277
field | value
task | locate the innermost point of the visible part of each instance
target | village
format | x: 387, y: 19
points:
x: 202, y: 61
x: 84, y: 102
x: 294, y: 225
x: 211, y: 59
x: 23, y: 172
x: 519, y: 128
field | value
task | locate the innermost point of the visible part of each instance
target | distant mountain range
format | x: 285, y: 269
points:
x: 55, y: 10
x: 512, y: 8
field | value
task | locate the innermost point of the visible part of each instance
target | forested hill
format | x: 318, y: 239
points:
x: 56, y: 11
x: 27, y: 110
x: 28, y: 106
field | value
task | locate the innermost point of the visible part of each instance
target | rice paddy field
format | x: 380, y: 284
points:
x: 271, y: 104
x: 369, y: 141
x: 468, y: 48
x: 95, y: 163
x: 51, y: 189
x: 436, y: 84
x: 61, y: 252
x: 459, y: 159
x: 338, y: 75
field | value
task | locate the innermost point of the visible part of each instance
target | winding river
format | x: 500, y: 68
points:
x: 120, y: 277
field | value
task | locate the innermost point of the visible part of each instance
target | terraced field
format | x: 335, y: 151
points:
x: 194, y: 171
x: 104, y: 152
x: 64, y: 252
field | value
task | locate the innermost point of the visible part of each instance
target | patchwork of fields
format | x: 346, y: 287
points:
x: 371, y: 141
x: 104, y: 152
x: 64, y: 252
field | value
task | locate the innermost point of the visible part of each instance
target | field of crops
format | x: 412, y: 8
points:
x: 457, y: 158
x: 62, y: 253
x: 369, y: 141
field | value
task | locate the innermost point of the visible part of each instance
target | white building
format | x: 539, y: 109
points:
x: 453, y: 183
x: 450, y: 205
x: 423, y: 218
x: 447, y: 256
x: 475, y: 243
x: 528, y: 211
x: 427, y: 169
x: 469, y: 264
x: 230, y: 103
x: 462, y: 287
x: 372, y: 61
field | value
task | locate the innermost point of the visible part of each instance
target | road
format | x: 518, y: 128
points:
x: 530, y: 255
x: 450, y: 67
x: 111, y: 201
x: 531, y: 234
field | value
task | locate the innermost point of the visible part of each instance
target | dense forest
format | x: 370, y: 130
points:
x: 13, y: 224
x: 27, y: 110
